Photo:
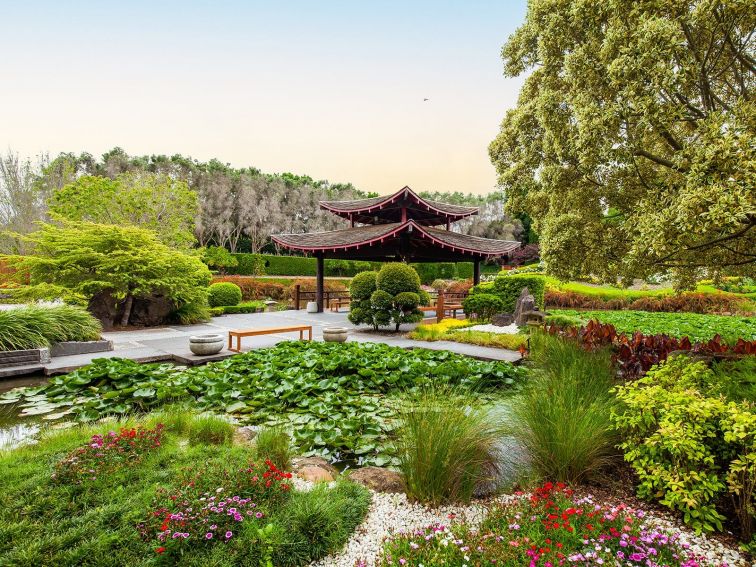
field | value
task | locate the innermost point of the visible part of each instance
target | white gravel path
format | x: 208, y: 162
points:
x: 507, y: 330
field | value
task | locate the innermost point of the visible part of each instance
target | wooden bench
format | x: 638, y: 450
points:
x: 266, y: 331
x: 452, y: 308
x: 336, y: 304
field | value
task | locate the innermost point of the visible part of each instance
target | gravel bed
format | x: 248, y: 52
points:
x: 506, y: 330
x: 393, y: 513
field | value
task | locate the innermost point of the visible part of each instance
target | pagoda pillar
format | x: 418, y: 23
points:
x: 319, y: 282
x: 476, y: 272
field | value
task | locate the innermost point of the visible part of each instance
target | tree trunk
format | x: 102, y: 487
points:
x: 127, y: 310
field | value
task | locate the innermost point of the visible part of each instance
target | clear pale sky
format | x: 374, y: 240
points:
x: 332, y: 89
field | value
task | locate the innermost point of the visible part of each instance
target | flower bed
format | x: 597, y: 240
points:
x: 550, y: 527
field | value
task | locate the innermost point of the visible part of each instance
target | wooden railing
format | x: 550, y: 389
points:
x: 301, y: 295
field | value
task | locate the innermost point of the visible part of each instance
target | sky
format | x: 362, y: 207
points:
x: 331, y: 89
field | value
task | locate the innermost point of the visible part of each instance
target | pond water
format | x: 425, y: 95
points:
x: 15, y: 430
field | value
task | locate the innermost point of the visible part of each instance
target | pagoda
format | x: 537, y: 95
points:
x: 402, y: 227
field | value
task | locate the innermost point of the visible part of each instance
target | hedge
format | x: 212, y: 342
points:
x: 272, y: 265
x: 508, y: 288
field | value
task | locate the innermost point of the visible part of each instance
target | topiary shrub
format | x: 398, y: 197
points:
x: 396, y: 277
x: 508, y: 288
x: 390, y: 296
x: 482, y: 305
x: 223, y: 294
x: 439, y: 284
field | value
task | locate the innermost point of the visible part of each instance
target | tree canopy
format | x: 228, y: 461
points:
x: 77, y: 259
x: 154, y: 201
x: 632, y: 144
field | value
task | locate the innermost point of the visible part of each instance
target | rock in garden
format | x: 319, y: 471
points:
x: 525, y: 304
x: 502, y: 319
x: 312, y: 473
x: 302, y: 462
x: 378, y: 479
x: 244, y: 435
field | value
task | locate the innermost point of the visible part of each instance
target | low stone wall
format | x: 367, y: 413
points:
x: 69, y: 348
x: 23, y: 357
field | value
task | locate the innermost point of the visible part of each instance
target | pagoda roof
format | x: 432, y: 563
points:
x: 388, y: 209
x: 408, y: 240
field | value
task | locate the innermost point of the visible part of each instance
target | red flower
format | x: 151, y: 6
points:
x: 160, y: 550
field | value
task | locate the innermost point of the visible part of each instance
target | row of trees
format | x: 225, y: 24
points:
x: 188, y: 202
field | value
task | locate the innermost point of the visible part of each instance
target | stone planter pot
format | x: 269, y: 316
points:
x: 312, y: 307
x: 204, y: 345
x: 335, y: 334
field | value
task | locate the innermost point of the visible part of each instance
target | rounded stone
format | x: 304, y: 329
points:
x: 314, y: 473
x: 378, y: 479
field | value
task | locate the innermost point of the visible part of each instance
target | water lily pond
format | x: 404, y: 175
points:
x: 339, y: 401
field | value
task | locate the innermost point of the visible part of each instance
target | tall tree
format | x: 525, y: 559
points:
x: 149, y: 200
x: 632, y: 144
x: 21, y: 200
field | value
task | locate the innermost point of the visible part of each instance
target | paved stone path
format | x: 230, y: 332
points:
x: 172, y: 343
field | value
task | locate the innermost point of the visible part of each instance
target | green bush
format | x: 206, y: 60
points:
x: 191, y: 313
x: 394, y: 298
x: 218, y: 258
x: 245, y: 307
x: 224, y: 293
x: 396, y: 277
x: 563, y: 415
x: 689, y: 447
x: 37, y: 326
x: 447, y: 446
x: 210, y: 430
x: 508, y: 288
x: 274, y: 443
x: 248, y: 265
x: 564, y: 321
x: 482, y: 305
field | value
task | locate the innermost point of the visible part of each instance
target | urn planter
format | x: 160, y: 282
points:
x: 205, y: 345
x: 335, y: 334
x: 312, y: 307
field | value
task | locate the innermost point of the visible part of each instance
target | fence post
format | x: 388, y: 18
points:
x: 296, y: 297
x: 440, y: 306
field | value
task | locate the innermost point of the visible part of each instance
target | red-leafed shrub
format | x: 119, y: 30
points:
x: 459, y: 286
x: 635, y: 354
x: 255, y: 288
x: 680, y: 303
x: 309, y: 285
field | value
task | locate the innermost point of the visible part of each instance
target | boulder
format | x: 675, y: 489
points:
x: 502, y: 319
x: 320, y: 462
x: 378, y: 479
x: 151, y: 311
x: 244, y: 435
x: 312, y: 473
x: 525, y: 304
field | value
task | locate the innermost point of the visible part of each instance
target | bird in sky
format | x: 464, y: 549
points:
x: 425, y: 99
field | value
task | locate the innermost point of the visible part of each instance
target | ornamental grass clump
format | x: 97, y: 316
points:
x: 274, y: 443
x: 210, y: 430
x: 562, y: 416
x: 36, y: 326
x: 447, y: 445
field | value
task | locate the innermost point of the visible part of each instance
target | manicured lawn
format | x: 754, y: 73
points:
x: 109, y: 505
x: 693, y: 325
x: 341, y: 399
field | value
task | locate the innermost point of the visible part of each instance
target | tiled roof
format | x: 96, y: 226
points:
x: 375, y: 235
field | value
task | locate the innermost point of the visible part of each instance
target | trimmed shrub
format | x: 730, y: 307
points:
x: 482, y: 305
x: 460, y: 286
x: 36, y: 326
x: 247, y: 265
x: 439, y: 284
x: 508, y: 288
x: 218, y: 258
x: 225, y: 293
x: 253, y: 288
x: 395, y: 297
x: 396, y: 277
x: 447, y: 445
x: 246, y: 307
x: 688, y: 448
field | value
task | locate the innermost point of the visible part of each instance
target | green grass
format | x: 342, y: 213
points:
x: 562, y: 415
x: 274, y: 443
x: 36, y: 326
x: 44, y: 523
x: 696, y: 326
x: 482, y: 338
x: 210, y: 430
x: 447, y: 445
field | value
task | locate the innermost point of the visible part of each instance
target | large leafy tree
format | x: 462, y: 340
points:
x: 154, y: 201
x: 83, y: 260
x: 632, y: 144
